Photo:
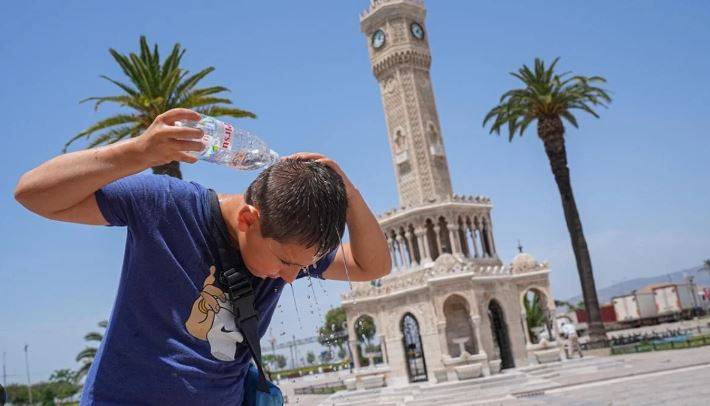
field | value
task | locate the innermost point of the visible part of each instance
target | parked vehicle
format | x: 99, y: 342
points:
x: 637, y: 307
x: 675, y: 300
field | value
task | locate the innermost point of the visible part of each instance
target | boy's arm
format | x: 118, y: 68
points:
x: 63, y: 188
x: 367, y: 254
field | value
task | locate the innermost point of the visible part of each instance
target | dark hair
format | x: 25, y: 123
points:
x: 300, y: 202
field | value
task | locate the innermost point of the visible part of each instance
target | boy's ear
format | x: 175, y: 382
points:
x: 247, y: 217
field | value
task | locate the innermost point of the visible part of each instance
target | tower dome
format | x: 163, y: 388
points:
x: 524, y: 262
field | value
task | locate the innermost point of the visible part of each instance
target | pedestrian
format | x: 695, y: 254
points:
x: 571, y: 340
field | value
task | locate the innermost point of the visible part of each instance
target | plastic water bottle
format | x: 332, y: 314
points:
x: 230, y: 146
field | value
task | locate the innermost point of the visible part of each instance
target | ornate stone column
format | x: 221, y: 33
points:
x: 484, y: 243
x: 480, y: 352
x: 489, y: 239
x: 423, y: 245
x: 353, y: 350
x: 393, y: 257
x: 454, y: 238
x: 526, y: 330
x: 441, y: 329
x: 489, y: 229
x: 383, y: 345
x: 402, y: 251
x: 410, y: 236
x: 437, y: 231
x: 476, y: 322
x: 472, y: 231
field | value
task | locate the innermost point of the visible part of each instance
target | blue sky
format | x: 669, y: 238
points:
x: 640, y: 173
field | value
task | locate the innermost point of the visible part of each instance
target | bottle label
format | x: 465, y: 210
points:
x: 228, y: 134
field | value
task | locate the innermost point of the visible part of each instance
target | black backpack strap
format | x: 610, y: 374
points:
x: 236, y: 280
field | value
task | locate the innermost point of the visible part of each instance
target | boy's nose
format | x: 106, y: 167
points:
x: 289, y: 274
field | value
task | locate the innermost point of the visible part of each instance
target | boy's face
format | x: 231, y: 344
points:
x: 266, y: 257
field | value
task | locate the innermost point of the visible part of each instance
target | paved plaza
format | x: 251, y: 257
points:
x: 678, y: 377
x: 686, y: 386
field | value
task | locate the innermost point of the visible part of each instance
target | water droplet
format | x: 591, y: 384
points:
x: 295, y: 306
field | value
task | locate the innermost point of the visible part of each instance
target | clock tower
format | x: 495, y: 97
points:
x: 400, y: 58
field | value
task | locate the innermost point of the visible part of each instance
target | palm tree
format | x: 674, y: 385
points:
x: 549, y: 97
x: 534, y: 314
x: 333, y: 331
x: 88, y: 354
x: 155, y: 88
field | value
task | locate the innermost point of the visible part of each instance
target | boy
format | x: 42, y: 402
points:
x: 171, y: 337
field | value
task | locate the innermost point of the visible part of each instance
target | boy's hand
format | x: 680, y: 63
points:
x: 163, y: 142
x: 313, y: 156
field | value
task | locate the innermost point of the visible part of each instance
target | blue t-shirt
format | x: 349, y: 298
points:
x: 166, y: 342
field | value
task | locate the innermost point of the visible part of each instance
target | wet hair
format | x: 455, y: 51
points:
x: 300, y: 202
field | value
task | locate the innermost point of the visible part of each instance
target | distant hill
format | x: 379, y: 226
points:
x: 702, y: 277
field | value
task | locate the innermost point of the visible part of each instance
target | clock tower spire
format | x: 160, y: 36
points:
x: 400, y: 58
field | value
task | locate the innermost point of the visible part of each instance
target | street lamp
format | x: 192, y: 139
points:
x: 27, y: 366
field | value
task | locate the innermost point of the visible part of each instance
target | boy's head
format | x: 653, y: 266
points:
x: 295, y: 214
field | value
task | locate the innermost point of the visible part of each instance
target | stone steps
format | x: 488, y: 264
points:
x: 447, y: 393
x: 576, y: 365
x: 479, y: 390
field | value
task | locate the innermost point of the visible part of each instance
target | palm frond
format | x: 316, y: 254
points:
x: 115, y: 135
x: 88, y: 353
x: 570, y: 118
x: 121, y: 100
x: 83, y: 371
x: 545, y: 94
x: 123, y: 86
x: 127, y: 68
x: 221, y: 111
x: 173, y: 60
x: 93, y: 336
x: 193, y: 103
x: 190, y: 82
x: 103, y: 124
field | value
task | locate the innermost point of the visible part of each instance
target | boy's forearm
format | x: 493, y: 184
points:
x: 68, y: 179
x: 367, y: 242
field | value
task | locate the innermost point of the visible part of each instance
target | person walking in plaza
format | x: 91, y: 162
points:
x: 571, y: 340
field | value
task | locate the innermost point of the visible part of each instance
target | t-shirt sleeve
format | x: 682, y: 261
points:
x: 142, y: 199
x: 317, y: 269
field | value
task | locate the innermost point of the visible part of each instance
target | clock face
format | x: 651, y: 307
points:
x: 417, y: 30
x: 378, y: 39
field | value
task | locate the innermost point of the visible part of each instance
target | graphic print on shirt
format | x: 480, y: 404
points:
x: 211, y: 319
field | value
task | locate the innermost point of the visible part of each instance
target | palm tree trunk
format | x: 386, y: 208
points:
x: 551, y: 132
x: 170, y: 169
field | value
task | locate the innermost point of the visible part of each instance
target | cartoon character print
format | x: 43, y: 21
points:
x: 211, y: 319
